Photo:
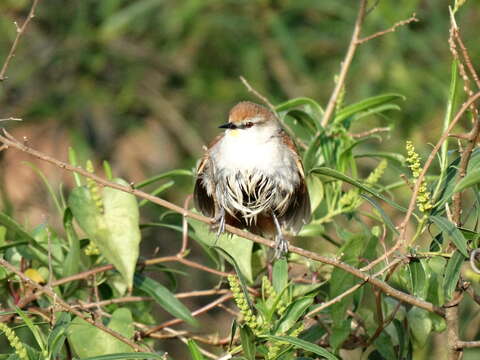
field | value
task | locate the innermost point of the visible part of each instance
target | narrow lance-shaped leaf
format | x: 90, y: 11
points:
x: 365, y: 105
x: 451, y: 230
x: 452, y: 274
x: 338, y: 175
x: 472, y: 178
x: 164, y: 298
x: 305, y: 345
x: 194, y: 350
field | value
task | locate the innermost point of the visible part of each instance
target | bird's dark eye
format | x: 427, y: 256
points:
x: 249, y: 124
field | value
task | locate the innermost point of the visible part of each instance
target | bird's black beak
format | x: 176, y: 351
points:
x: 228, y: 125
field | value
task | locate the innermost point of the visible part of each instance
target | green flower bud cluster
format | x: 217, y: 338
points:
x: 94, y: 189
x: 14, y: 342
x: 297, y: 331
x: 413, y: 160
x: 272, y: 294
x: 273, y: 351
x: 92, y: 249
x: 350, y: 200
x: 377, y: 173
x: 248, y: 316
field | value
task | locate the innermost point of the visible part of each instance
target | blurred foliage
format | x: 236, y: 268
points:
x: 101, y: 72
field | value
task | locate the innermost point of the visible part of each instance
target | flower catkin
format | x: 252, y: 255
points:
x: 413, y: 160
x: 242, y: 303
x: 14, y: 341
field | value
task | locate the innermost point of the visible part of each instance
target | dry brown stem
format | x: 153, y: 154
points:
x: 20, y: 32
x: 412, y: 18
x: 59, y: 302
x: 345, y: 64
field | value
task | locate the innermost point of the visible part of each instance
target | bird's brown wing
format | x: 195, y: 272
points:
x: 299, y: 211
x: 204, y: 202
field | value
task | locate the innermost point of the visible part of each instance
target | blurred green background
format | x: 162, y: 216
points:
x: 144, y: 84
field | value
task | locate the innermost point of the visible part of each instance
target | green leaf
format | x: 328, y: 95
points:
x: 117, y: 23
x: 127, y: 355
x: 472, y: 178
x: 310, y: 105
x: 237, y: 247
x: 88, y: 340
x: 158, y: 191
x: 115, y: 231
x: 294, y: 311
x: 338, y: 175
x: 310, y: 156
x: 57, y: 336
x: 39, y: 338
x: 72, y: 260
x: 315, y: 191
x: 398, y: 158
x: 164, y: 298
x: 386, y: 219
x: 384, y: 346
x: 366, y: 104
x: 341, y: 281
x: 194, y: 350
x: 419, y: 278
x: 448, y: 228
x: 168, y: 174
x: 248, y: 342
x: 302, y: 344
x: 452, y: 274
x: 420, y: 326
x: 280, y: 275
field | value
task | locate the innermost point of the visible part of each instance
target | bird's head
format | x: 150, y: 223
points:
x: 248, y: 116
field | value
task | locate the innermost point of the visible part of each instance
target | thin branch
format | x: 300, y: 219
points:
x: 272, y: 109
x: 184, y: 247
x: 197, y: 312
x: 389, y: 290
x: 20, y: 32
x: 345, y: 65
x: 49, y: 291
x: 349, y: 291
x: 412, y: 18
x: 370, y: 132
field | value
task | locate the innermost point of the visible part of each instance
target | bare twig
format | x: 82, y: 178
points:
x: 183, y: 250
x: 13, y: 143
x: 272, y: 109
x: 11, y: 119
x: 370, y: 132
x: 412, y: 18
x: 346, y: 64
x: 257, y: 94
x: 49, y: 291
x: 349, y: 291
x: 20, y: 32
x: 197, y: 312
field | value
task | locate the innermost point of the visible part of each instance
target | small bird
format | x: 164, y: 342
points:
x: 251, y: 176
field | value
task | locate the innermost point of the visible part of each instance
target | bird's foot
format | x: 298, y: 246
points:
x: 218, y: 223
x: 281, y: 246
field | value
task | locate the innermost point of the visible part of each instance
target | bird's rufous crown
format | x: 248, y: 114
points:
x: 246, y: 110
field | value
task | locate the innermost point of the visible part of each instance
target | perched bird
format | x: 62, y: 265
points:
x: 251, y: 176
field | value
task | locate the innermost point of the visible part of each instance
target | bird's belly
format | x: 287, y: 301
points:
x: 260, y: 180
